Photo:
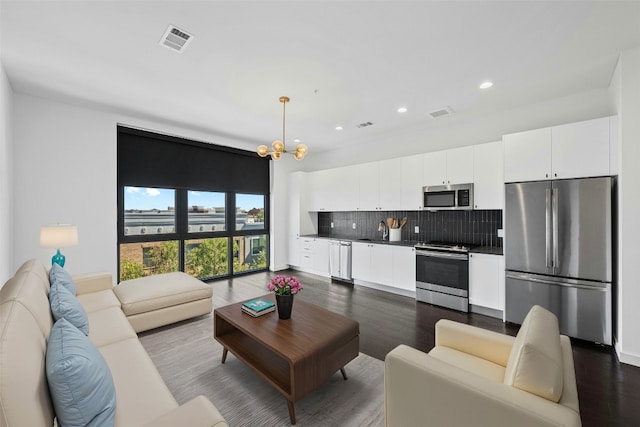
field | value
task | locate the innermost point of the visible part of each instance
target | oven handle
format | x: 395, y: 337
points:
x: 447, y: 255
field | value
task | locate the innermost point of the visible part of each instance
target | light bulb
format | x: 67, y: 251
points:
x: 278, y: 146
x: 301, y: 148
x: 299, y: 155
x: 263, y: 150
x: 276, y: 155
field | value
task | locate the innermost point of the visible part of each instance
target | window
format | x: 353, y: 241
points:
x: 190, y: 206
x: 206, y: 212
x: 249, y: 212
x: 149, y: 211
x: 249, y: 253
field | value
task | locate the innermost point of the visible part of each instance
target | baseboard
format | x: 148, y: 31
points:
x: 280, y: 268
x: 491, y: 312
x: 629, y: 359
x: 390, y: 289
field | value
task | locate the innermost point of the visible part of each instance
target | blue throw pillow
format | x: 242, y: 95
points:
x: 80, y: 382
x: 58, y: 274
x: 66, y: 306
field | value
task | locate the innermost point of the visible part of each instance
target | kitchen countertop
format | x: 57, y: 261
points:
x: 490, y: 250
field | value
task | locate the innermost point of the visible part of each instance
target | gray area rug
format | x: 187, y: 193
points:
x: 188, y: 359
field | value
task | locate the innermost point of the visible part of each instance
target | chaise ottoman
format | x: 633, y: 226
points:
x: 153, y: 301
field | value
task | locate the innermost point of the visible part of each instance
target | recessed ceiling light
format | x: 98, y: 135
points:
x: 338, y: 127
x: 296, y: 140
x: 486, y: 85
x: 402, y: 110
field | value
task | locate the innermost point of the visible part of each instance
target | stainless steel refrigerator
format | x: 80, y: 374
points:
x: 558, y: 253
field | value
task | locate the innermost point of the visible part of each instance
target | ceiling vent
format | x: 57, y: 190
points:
x: 364, y: 125
x: 440, y: 113
x: 175, y: 39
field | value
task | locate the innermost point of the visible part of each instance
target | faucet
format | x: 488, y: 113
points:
x: 385, y: 231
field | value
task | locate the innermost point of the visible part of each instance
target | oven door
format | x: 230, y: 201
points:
x: 446, y: 272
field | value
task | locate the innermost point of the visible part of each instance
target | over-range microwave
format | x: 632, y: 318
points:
x: 450, y: 196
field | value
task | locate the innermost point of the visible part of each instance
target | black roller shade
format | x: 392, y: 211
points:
x: 147, y: 159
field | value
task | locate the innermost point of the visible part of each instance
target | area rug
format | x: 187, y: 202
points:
x: 188, y: 359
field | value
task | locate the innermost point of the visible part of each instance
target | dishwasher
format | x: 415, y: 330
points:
x: 340, y: 260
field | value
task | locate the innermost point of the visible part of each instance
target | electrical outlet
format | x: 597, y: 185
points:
x: 416, y: 229
x: 331, y: 224
x: 500, y: 232
x: 353, y: 225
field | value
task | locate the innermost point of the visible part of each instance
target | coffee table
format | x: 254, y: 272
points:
x: 295, y: 355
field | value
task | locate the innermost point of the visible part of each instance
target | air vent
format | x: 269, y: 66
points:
x: 175, y: 39
x: 364, y: 125
x: 440, y: 113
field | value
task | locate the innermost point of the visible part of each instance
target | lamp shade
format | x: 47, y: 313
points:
x: 58, y: 236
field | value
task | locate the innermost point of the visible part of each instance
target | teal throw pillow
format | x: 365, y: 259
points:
x: 66, y: 306
x: 58, y: 274
x: 80, y: 382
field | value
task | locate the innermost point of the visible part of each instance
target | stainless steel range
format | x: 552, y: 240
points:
x: 442, y: 275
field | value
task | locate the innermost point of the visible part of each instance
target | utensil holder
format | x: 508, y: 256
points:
x: 394, y: 234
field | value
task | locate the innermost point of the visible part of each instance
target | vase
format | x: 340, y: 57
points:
x: 285, y: 305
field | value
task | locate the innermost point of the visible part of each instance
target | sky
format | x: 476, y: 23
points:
x: 160, y: 198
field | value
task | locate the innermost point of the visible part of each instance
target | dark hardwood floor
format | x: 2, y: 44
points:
x: 609, y: 391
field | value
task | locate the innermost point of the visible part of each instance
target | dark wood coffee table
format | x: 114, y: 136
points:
x: 295, y: 355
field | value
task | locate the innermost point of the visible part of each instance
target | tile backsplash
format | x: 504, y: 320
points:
x: 477, y: 227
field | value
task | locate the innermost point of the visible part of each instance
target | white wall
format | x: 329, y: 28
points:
x: 628, y: 100
x: 6, y: 179
x: 65, y: 171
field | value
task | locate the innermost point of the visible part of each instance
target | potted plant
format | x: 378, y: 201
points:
x: 285, y: 287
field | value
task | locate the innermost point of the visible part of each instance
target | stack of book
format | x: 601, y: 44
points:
x: 258, y: 307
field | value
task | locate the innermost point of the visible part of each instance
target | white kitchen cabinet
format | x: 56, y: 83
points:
x: 301, y: 221
x: 527, y: 155
x: 318, y: 190
x: 486, y: 281
x: 488, y: 174
x: 390, y: 184
x: 404, y: 268
x: 574, y: 150
x: 333, y: 190
x: 360, y: 260
x: 453, y: 166
x: 434, y: 168
x: 314, y: 255
x: 580, y: 149
x: 321, y: 256
x: 372, y: 262
x: 411, y: 183
x: 381, y: 264
x: 460, y: 165
x: 369, y: 187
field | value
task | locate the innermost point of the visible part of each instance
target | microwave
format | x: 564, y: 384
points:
x: 448, y: 197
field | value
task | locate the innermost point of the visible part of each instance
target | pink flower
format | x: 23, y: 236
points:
x: 284, y: 285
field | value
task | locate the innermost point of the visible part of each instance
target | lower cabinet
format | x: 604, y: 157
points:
x: 383, y: 264
x: 314, y: 255
x: 486, y: 281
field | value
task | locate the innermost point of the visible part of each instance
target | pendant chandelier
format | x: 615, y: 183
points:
x: 278, y: 146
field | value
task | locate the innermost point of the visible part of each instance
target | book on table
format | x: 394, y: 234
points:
x: 258, y: 307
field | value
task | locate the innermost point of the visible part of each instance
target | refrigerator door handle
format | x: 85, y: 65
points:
x: 547, y: 230
x: 554, y: 219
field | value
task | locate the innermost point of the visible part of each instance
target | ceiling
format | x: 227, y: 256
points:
x: 342, y: 63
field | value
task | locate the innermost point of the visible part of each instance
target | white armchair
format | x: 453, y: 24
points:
x: 475, y: 377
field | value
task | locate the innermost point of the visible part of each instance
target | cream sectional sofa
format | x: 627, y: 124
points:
x: 142, y: 398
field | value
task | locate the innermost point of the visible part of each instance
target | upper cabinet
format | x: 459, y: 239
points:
x: 411, y: 198
x: 574, y: 150
x: 580, y: 149
x: 453, y: 166
x: 488, y: 176
x: 332, y: 190
x: 380, y: 185
x: 527, y: 155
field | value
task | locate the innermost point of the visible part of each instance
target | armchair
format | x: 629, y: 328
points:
x: 475, y: 377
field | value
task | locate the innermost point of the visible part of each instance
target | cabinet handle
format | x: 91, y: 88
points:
x: 546, y: 175
x: 555, y: 174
